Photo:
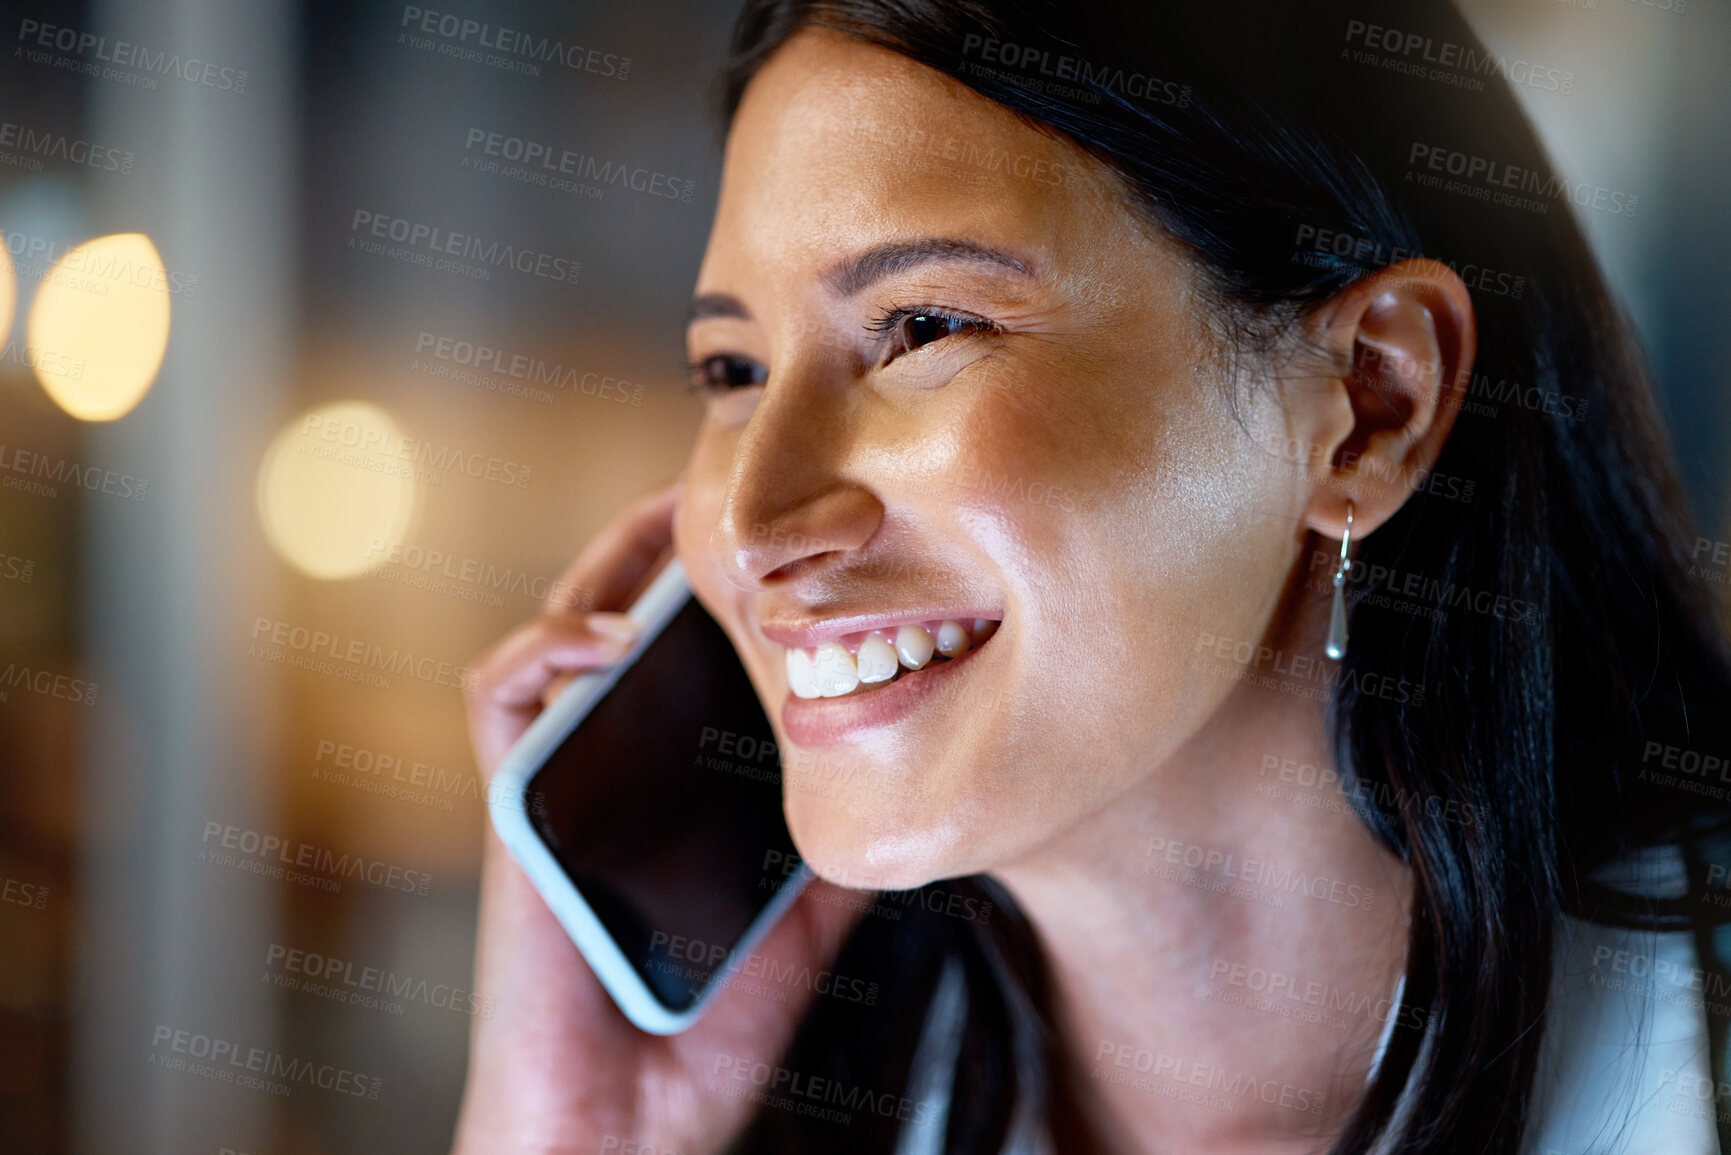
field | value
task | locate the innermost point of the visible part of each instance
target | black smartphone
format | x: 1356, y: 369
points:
x: 645, y: 805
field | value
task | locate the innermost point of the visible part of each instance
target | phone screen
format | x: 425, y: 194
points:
x: 664, y: 807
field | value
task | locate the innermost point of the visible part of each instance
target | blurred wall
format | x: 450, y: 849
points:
x: 298, y: 191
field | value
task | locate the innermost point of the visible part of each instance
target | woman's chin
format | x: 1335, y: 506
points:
x: 865, y: 844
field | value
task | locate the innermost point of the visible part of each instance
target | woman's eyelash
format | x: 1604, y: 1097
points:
x: 908, y: 328
x: 915, y: 326
x: 740, y: 372
x: 887, y: 321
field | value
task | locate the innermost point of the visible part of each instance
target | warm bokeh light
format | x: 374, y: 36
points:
x: 332, y: 491
x: 98, y: 327
x: 8, y: 294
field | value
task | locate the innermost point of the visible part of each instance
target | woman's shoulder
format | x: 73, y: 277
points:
x: 1626, y: 1066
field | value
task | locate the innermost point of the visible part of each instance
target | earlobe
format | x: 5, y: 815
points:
x: 1406, y: 337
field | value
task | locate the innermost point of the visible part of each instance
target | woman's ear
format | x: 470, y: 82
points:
x: 1402, y: 342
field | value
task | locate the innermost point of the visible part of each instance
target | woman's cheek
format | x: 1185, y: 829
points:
x: 690, y: 538
x: 694, y: 523
x: 706, y: 473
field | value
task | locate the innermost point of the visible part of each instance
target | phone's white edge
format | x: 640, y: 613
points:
x: 508, y: 805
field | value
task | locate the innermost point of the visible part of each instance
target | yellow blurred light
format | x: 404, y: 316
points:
x: 8, y: 294
x: 98, y: 327
x: 332, y: 492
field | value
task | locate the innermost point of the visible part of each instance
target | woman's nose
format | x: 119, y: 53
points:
x: 790, y: 502
x: 759, y: 544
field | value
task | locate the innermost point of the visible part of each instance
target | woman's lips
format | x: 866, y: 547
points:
x: 828, y: 719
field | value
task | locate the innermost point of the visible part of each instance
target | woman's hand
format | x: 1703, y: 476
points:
x: 556, y: 1067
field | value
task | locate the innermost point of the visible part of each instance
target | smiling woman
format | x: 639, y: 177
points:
x: 1047, y: 425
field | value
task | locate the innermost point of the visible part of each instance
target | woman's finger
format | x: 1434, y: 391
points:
x: 521, y: 671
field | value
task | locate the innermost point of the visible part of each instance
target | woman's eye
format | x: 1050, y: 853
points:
x: 912, y: 329
x: 725, y: 371
x: 924, y: 328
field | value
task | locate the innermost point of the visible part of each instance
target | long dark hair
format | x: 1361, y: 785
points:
x: 1291, y: 150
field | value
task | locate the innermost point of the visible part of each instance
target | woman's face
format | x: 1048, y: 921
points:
x: 954, y: 378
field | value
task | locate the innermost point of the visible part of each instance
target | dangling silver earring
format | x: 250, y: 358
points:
x: 1337, y: 617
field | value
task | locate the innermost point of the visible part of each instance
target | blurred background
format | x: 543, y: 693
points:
x: 315, y: 377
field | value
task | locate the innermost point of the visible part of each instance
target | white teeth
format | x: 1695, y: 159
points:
x: 876, y: 660
x: 830, y: 671
x: 837, y: 672
x: 914, y: 646
x: 801, y: 673
x: 952, y: 639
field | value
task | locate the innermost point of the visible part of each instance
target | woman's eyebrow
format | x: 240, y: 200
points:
x: 852, y: 274
x: 709, y: 305
x: 849, y: 276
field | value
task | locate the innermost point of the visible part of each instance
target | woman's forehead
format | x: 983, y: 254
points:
x: 836, y: 139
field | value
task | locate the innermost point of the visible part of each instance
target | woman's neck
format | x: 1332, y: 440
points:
x: 1224, y: 941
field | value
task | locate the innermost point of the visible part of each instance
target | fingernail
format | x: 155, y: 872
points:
x: 619, y: 627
